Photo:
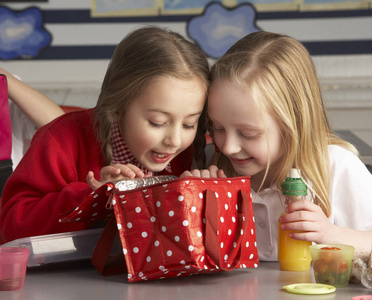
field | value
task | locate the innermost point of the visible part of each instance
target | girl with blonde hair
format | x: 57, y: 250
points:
x: 267, y: 116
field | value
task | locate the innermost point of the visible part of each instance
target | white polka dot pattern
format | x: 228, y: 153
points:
x: 93, y: 208
x: 163, y: 228
x: 173, y: 220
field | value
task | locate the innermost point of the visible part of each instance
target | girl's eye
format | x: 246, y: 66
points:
x: 249, y: 136
x: 188, y: 126
x: 218, y: 129
x: 156, y: 125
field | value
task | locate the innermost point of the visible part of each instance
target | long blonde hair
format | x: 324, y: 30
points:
x: 142, y: 55
x: 282, y: 77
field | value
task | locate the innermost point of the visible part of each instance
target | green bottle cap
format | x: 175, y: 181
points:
x: 294, y: 185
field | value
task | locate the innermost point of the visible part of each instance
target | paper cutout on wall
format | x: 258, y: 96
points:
x: 311, y: 5
x: 126, y: 8
x: 218, y: 28
x: 115, y: 8
x: 22, y: 34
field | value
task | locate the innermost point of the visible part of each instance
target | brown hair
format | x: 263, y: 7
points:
x: 142, y: 55
x: 282, y: 77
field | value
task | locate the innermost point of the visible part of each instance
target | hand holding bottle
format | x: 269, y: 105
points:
x: 309, y: 223
x: 293, y: 255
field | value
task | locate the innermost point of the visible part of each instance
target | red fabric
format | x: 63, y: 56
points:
x: 176, y: 228
x: 68, y: 109
x: 50, y: 180
x: 163, y: 233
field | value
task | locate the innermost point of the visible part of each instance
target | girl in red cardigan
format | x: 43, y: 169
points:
x: 149, y: 113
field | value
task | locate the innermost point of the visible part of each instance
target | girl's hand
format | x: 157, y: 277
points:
x: 309, y: 219
x: 114, y: 173
x: 211, y: 172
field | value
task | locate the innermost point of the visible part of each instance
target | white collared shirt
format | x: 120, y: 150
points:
x: 350, y: 199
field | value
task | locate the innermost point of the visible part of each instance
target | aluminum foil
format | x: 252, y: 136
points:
x: 131, y: 184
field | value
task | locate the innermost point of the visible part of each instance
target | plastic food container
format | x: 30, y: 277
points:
x: 13, y: 265
x: 332, y: 263
x: 62, y: 247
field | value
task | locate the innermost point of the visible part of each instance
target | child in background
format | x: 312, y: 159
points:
x: 29, y: 110
x: 149, y: 113
x: 267, y: 116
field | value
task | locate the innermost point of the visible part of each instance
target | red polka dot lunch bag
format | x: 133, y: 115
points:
x: 174, y: 228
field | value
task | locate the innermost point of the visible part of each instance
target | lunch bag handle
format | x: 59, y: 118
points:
x: 103, y: 263
x: 116, y: 265
x: 212, y: 238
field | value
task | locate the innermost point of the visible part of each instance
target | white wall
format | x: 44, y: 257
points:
x: 347, y: 79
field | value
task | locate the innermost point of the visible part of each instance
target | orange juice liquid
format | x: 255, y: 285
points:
x: 293, y: 255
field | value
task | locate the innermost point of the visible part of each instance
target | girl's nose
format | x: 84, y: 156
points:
x: 230, y: 145
x: 173, y: 137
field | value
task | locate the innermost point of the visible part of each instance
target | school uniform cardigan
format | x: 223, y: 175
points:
x: 50, y: 180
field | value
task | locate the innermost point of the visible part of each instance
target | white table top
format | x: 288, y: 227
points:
x: 81, y: 281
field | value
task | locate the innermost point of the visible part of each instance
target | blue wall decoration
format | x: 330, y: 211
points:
x: 22, y: 34
x: 218, y: 28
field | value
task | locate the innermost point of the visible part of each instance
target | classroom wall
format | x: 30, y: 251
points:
x: 73, y: 67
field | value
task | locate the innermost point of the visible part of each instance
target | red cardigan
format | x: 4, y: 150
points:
x: 50, y: 180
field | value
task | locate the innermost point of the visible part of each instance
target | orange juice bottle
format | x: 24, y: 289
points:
x: 293, y: 255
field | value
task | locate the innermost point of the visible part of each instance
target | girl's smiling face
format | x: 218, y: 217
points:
x: 162, y: 120
x: 242, y: 130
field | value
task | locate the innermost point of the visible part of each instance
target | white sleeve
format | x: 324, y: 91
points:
x: 351, y: 190
x: 23, y: 129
